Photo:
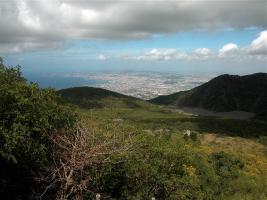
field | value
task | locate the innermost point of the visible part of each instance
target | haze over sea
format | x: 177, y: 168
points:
x: 141, y: 84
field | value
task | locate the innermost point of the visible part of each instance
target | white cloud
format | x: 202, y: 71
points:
x: 47, y: 22
x: 228, y: 50
x: 202, y: 51
x: 102, y: 57
x: 259, y: 45
x: 161, y: 54
x: 26, y: 16
x: 256, y: 50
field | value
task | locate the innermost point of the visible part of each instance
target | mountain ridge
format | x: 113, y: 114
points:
x: 91, y: 97
x: 224, y: 93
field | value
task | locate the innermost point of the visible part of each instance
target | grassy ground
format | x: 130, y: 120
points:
x: 158, y: 118
x: 240, y: 138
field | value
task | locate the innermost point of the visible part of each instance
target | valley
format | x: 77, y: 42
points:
x: 140, y: 122
x: 133, y: 100
x: 79, y: 143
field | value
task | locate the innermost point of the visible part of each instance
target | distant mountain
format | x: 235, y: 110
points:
x: 224, y: 93
x: 90, y: 97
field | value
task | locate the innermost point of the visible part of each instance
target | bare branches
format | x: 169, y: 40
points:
x: 73, y: 155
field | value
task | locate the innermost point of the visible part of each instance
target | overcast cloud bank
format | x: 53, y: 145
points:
x: 41, y: 24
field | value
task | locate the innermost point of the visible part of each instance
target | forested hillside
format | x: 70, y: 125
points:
x: 90, y: 97
x: 50, y: 149
x: 224, y: 93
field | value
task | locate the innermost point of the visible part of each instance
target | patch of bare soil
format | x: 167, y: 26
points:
x: 233, y: 143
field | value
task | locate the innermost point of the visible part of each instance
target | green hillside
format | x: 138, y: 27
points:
x: 90, y: 97
x: 121, y: 148
x: 224, y: 93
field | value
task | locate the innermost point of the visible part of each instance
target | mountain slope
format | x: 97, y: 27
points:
x: 224, y: 93
x: 90, y: 97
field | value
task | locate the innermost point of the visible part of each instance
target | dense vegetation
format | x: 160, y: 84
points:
x: 165, y: 164
x: 225, y: 93
x: 160, y: 155
x: 120, y: 147
x: 89, y: 97
x: 28, y: 116
x: 151, y: 116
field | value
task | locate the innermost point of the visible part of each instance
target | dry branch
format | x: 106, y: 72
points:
x: 73, y: 155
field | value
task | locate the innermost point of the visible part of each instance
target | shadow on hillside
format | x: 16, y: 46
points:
x: 241, y: 128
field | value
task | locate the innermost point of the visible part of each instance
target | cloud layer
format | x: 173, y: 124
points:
x: 35, y: 24
x: 257, y: 49
x: 259, y: 45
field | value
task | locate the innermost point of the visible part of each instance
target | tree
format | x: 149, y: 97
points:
x: 28, y: 116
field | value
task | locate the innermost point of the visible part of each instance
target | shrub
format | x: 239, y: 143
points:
x: 194, y: 136
x: 28, y: 115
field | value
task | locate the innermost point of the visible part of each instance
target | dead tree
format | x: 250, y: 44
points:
x: 73, y: 155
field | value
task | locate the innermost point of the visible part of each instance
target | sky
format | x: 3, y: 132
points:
x: 183, y: 36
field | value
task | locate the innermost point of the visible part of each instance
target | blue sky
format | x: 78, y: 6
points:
x: 185, y: 40
x: 187, y: 36
x: 82, y: 55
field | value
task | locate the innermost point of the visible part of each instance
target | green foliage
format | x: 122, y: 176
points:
x: 160, y: 162
x: 89, y: 97
x: 224, y: 93
x: 263, y: 140
x: 164, y: 165
x: 28, y: 115
x: 166, y: 169
x: 194, y: 136
x: 227, y: 167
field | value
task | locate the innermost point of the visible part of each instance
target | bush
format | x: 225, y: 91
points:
x: 194, y: 136
x: 227, y: 168
x: 165, y: 170
x: 28, y: 115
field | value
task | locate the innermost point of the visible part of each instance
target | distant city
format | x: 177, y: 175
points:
x: 144, y: 85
